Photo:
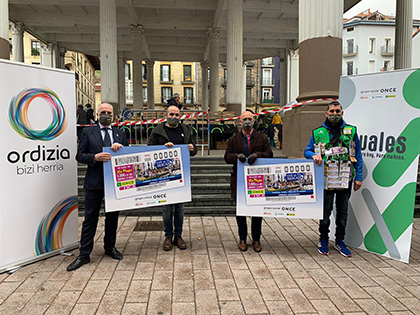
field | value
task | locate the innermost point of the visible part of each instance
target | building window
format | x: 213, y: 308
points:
x: 166, y: 94
x: 372, y: 46
x: 248, y: 97
x: 165, y: 73
x: 387, y: 64
x: 144, y: 72
x: 144, y: 94
x: 372, y: 66
x: 129, y: 89
x: 188, y: 95
x: 350, y: 46
x: 267, y: 61
x: 267, y: 98
x: 350, y: 68
x: 267, y: 77
x: 187, y: 73
x: 127, y: 71
x: 35, y: 47
x: 350, y: 29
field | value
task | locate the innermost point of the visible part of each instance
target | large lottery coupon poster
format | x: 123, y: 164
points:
x: 280, y: 187
x: 138, y: 177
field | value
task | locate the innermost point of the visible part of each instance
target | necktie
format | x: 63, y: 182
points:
x: 107, y: 139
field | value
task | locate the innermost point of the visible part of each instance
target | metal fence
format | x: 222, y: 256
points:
x: 139, y: 124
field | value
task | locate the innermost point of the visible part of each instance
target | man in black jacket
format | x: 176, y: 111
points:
x: 170, y: 133
x: 92, y: 140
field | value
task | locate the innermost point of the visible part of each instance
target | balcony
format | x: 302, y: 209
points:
x: 387, y: 50
x: 267, y: 62
x: 269, y: 100
x: 166, y: 80
x: 350, y: 51
x: 268, y: 82
x: 186, y: 80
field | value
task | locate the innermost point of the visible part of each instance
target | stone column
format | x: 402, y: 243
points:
x: 137, y: 34
x: 108, y: 52
x: 17, y: 41
x: 121, y: 81
x: 320, y: 58
x: 283, y: 77
x: 47, y: 55
x: 150, y: 84
x: 204, y: 85
x: 213, y: 42
x: 61, y: 62
x: 234, y: 55
x: 54, y: 55
x: 4, y: 30
x: 403, y: 34
x: 243, y: 89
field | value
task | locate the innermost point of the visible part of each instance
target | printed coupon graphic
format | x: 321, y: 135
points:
x: 138, y: 173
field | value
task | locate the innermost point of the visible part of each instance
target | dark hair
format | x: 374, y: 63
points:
x: 249, y: 110
x: 80, y: 106
x: 334, y: 103
x: 88, y: 105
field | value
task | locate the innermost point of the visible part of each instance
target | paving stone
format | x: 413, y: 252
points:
x: 297, y: 301
x: 325, y: 307
x: 164, y: 262
x: 269, y: 289
x: 322, y: 278
x: 134, y: 309
x: 85, y: 309
x: 252, y: 301
x: 183, y: 271
x: 413, y: 304
x: 370, y: 306
x: 259, y: 270
x: 354, y: 290
x: 203, y: 280
x: 295, y: 269
x: 46, y: 293
x: 148, y: 255
x: 63, y: 303
x: 183, y: 308
x: 34, y: 309
x: 392, y: 287
x: 206, y: 302
x: 283, y: 279
x: 183, y: 291
x: 93, y: 291
x: 226, y: 290
x: 162, y: 280
x: 14, y: 303
x: 331, y: 268
x: 272, y: 261
x: 278, y: 307
x: 7, y: 288
x: 128, y: 263
x: 120, y: 281
x: 33, y: 282
x: 217, y: 254
x: 144, y: 270
x: 311, y: 290
x: 112, y: 303
x: 133, y: 247
x: 385, y: 299
x: 243, y: 279
x: 221, y: 270
x: 368, y: 268
x: 237, y: 261
x: 159, y: 301
x: 341, y: 300
x: 78, y: 280
x: 139, y: 291
x: 201, y: 262
x: 231, y: 308
x: 397, y: 276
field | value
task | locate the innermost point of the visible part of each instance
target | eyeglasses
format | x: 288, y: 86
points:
x: 105, y: 112
x: 173, y: 114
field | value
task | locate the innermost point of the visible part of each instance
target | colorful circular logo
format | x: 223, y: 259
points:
x: 18, y: 114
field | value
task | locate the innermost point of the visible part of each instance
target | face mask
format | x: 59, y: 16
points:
x: 105, y: 119
x: 173, y: 121
x: 334, y: 119
x: 247, y: 125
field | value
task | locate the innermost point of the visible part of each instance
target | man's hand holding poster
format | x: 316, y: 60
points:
x: 280, y: 187
x: 138, y: 177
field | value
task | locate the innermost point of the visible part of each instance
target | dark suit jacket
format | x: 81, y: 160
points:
x: 90, y: 144
x: 259, y: 145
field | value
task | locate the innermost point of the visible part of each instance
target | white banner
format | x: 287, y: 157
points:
x: 38, y: 196
x: 385, y: 107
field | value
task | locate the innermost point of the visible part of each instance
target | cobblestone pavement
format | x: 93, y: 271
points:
x: 213, y: 277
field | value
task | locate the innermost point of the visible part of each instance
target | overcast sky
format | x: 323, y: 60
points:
x: 384, y: 6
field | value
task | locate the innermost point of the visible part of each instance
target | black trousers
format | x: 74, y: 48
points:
x: 256, y: 223
x: 93, y: 201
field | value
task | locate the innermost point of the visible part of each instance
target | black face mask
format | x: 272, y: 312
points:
x: 105, y: 119
x: 334, y: 119
x: 173, y: 121
x: 247, y: 125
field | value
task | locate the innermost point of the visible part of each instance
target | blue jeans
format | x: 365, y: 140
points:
x: 341, y: 204
x: 177, y: 211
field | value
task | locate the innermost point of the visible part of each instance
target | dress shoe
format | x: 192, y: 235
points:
x: 167, y: 243
x: 256, y: 245
x: 180, y: 243
x: 242, y: 246
x: 114, y: 253
x: 79, y: 262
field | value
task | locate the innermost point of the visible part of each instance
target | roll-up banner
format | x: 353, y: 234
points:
x: 38, y: 195
x: 385, y: 107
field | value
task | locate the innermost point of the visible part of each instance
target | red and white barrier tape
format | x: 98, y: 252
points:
x: 265, y: 112
x: 151, y: 121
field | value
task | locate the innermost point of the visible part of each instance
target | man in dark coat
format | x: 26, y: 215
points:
x: 89, y: 111
x: 92, y: 140
x: 175, y: 101
x: 82, y: 119
x: 170, y: 133
x: 248, y: 143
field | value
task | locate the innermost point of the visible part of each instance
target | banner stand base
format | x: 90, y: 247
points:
x: 61, y: 251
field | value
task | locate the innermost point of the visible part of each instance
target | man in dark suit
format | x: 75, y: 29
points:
x: 248, y: 143
x: 92, y: 140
